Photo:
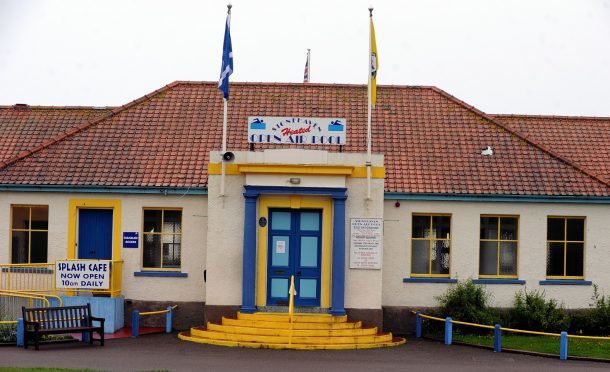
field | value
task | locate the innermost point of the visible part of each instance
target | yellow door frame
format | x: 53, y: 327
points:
x: 294, y: 202
x: 76, y: 204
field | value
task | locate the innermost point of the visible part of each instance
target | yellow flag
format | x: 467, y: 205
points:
x: 374, y: 65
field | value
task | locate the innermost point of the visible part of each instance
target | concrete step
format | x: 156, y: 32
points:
x: 289, y: 332
x: 286, y: 325
x: 266, y: 345
x: 297, y: 318
x: 309, y: 340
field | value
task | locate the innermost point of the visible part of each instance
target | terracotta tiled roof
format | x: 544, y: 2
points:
x: 583, y: 140
x: 432, y: 142
x: 24, y: 127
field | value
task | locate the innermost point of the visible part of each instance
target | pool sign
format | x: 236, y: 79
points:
x: 82, y: 274
x: 296, y: 130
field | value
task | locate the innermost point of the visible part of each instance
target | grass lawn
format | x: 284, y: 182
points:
x: 14, y: 369
x: 541, y: 344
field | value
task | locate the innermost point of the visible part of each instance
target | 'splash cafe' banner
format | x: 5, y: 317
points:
x: 295, y: 130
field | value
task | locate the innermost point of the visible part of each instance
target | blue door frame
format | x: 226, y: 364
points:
x: 294, y: 248
x: 95, y: 234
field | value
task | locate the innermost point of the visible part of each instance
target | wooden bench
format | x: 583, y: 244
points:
x: 57, y: 320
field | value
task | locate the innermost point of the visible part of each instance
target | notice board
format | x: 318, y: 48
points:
x: 366, y: 243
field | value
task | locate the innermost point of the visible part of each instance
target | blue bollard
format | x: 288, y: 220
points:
x: 448, y: 331
x: 563, y: 346
x: 84, y: 337
x: 418, y: 324
x: 20, y: 332
x: 497, y: 339
x: 168, y: 320
x: 135, y: 323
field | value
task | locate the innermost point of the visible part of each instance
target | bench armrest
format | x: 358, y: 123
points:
x: 98, y: 319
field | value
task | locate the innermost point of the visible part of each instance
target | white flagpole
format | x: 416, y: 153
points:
x: 224, y: 148
x: 308, y: 65
x: 368, y: 127
x: 223, y: 166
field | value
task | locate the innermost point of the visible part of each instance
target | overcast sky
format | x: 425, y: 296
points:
x: 528, y: 56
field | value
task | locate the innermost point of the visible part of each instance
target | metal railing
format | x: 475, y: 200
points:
x: 135, y: 319
x: 11, y: 303
x: 498, y: 329
x: 40, y: 278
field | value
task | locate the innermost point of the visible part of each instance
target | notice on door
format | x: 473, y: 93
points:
x: 280, y: 246
x: 366, y: 243
x: 82, y: 274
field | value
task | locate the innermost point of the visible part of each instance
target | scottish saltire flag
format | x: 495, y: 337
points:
x: 374, y: 65
x: 227, y: 60
x: 306, y: 73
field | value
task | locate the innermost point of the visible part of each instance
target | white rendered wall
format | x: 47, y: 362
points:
x: 225, y: 241
x: 194, y: 228
x: 363, y: 288
x: 465, y: 228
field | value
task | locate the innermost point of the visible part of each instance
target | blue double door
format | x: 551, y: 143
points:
x: 95, y: 234
x: 294, y: 248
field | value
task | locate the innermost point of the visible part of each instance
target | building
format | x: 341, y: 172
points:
x: 509, y: 201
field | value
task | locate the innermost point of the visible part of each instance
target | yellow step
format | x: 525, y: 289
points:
x: 286, y: 325
x: 188, y: 337
x: 313, y: 340
x: 288, y: 332
x: 297, y: 318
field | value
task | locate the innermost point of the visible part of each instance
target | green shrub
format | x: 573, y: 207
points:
x: 596, y: 320
x: 8, y: 333
x: 467, y: 302
x: 533, y: 312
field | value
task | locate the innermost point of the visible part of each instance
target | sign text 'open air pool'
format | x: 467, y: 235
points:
x: 296, y: 130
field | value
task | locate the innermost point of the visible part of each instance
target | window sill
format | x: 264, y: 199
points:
x: 565, y: 282
x: 429, y: 280
x: 498, y: 281
x: 161, y: 274
x: 27, y: 270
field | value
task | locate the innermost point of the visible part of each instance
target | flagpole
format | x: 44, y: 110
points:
x: 224, y: 148
x: 223, y: 166
x: 368, y: 127
x: 308, y: 65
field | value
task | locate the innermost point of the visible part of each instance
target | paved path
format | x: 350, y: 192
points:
x: 166, y: 352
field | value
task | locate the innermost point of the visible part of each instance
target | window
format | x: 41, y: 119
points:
x: 162, y: 238
x: 29, y: 233
x: 565, y: 247
x: 498, y: 246
x: 430, y: 245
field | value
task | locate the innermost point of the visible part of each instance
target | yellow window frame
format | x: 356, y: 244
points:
x: 28, y: 230
x: 430, y: 245
x: 144, y: 233
x: 565, y: 242
x: 499, y: 241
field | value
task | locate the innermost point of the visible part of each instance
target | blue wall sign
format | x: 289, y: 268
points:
x: 131, y: 239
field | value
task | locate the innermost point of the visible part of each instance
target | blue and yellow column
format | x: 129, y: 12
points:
x: 249, y: 255
x: 338, y: 274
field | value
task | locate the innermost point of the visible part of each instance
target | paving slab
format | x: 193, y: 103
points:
x: 167, y: 352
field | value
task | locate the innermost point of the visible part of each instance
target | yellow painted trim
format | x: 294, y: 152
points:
x: 216, y: 169
x: 376, y: 172
x: 344, y: 170
x: 287, y: 201
x: 76, y: 204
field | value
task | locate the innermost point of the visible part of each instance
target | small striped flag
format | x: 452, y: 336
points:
x: 306, y: 73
